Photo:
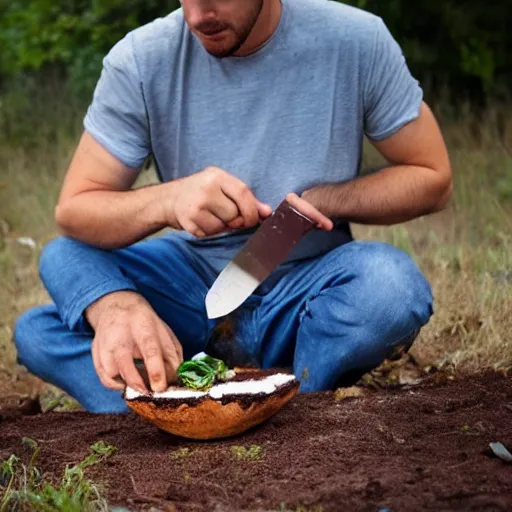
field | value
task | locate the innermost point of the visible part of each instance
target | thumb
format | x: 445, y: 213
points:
x: 264, y: 210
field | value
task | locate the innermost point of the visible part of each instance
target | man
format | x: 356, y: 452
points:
x: 241, y: 103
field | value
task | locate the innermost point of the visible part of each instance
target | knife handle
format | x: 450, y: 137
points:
x: 293, y: 220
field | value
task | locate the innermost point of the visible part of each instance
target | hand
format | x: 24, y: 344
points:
x: 307, y: 209
x: 213, y: 201
x: 127, y: 328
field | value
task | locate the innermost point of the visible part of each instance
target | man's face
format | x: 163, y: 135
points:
x: 222, y: 26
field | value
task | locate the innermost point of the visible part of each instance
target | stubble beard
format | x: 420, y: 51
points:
x: 242, y: 35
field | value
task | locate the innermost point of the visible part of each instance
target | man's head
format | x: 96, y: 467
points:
x: 222, y: 26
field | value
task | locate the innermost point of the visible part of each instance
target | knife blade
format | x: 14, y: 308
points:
x: 260, y: 256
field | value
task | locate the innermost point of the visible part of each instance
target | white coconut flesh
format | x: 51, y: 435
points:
x: 267, y: 386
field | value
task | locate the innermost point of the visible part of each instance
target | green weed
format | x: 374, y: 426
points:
x: 180, y: 453
x: 253, y: 452
x: 25, y: 488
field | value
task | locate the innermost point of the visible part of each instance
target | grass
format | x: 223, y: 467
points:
x: 465, y: 251
x: 24, y: 487
x: 253, y: 452
x: 180, y: 453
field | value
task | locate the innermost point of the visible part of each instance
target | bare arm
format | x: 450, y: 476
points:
x: 417, y: 183
x: 96, y: 204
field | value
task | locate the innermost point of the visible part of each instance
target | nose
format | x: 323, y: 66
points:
x: 200, y: 11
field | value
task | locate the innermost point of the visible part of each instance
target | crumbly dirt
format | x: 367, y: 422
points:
x: 422, y: 448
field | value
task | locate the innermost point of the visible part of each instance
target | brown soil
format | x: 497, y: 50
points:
x: 423, y: 448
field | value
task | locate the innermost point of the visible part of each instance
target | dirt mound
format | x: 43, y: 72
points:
x: 424, y: 448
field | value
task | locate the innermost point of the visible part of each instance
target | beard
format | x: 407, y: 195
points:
x: 236, y: 35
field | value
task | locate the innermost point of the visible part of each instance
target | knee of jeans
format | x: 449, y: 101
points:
x: 27, y: 332
x: 392, y: 287
x: 387, y: 296
x: 55, y: 256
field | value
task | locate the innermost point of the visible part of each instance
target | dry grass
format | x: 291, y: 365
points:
x: 466, y: 251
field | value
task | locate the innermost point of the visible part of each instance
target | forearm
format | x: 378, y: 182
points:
x: 391, y: 196
x: 112, y: 219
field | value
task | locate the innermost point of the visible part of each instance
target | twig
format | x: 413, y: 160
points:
x: 217, y: 486
x: 461, y: 463
x: 136, y: 490
x: 48, y: 441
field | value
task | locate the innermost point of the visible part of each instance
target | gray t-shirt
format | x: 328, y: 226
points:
x: 286, y: 118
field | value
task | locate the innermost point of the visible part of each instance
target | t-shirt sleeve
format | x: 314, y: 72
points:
x: 392, y: 96
x: 117, y: 116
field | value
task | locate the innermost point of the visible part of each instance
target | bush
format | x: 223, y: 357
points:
x: 463, y: 45
x: 460, y: 45
x: 74, y: 34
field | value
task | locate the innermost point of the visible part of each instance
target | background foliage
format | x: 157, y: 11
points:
x: 461, y: 45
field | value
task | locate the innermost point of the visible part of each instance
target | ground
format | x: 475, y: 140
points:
x: 422, y: 447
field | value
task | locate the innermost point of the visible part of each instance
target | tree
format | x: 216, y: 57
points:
x: 462, y: 44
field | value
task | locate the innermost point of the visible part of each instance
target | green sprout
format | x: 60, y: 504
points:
x: 22, y: 487
x: 253, y: 452
x: 180, y: 453
x: 201, y: 372
x: 196, y: 374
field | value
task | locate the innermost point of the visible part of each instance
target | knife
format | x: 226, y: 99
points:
x: 260, y: 256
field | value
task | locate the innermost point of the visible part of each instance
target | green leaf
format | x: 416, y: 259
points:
x: 196, y: 374
x: 202, y: 372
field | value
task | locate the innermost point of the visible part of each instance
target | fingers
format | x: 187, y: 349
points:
x: 204, y: 224
x: 124, y: 359
x: 105, y: 368
x: 310, y: 211
x: 192, y: 228
x: 213, y: 201
x: 148, y: 341
x: 207, y: 224
x: 234, y: 218
x: 224, y: 208
x: 151, y: 340
x: 236, y: 223
x: 240, y: 193
x: 135, y: 333
x: 210, y: 224
x: 249, y: 208
x: 264, y: 210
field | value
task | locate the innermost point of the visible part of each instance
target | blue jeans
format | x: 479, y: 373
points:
x: 338, y: 315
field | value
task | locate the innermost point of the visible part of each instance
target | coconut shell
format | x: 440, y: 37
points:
x: 209, y: 418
